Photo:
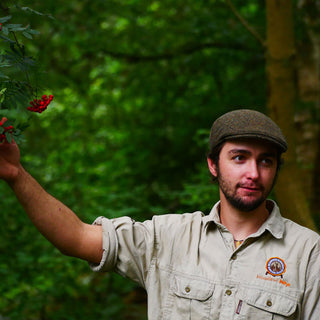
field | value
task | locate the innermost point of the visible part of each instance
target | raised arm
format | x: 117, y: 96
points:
x: 53, y: 219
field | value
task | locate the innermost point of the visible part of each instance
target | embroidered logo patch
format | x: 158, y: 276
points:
x: 276, y: 267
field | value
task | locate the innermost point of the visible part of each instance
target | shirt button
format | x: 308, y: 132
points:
x: 269, y: 303
x: 187, y: 289
x: 228, y: 292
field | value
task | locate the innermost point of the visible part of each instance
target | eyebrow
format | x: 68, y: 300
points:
x: 234, y: 151
x: 244, y: 151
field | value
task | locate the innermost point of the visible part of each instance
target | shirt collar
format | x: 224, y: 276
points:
x: 274, y: 224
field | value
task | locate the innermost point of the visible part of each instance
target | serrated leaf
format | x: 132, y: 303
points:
x: 27, y: 35
x: 22, y: 126
x: 3, y: 76
x: 13, y: 25
x: 32, y: 31
x: 5, y: 19
x: 8, y: 137
x: 17, y: 132
x: 19, y: 138
x: 2, y: 92
x: 5, y: 30
x: 5, y: 65
x: 6, y: 39
x: 37, y: 12
x: 17, y: 29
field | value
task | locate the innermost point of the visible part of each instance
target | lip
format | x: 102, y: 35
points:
x: 250, y: 189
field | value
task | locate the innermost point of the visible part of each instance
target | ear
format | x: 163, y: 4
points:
x: 212, y: 167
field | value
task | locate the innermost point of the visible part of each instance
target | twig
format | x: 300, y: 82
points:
x: 245, y: 23
x: 184, y: 50
x: 23, y: 54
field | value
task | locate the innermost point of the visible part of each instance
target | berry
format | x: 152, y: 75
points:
x: 8, y: 129
x: 3, y: 120
x: 39, y: 105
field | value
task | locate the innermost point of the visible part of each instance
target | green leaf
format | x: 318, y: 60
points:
x: 27, y: 35
x: 17, y: 29
x: 13, y: 26
x: 6, y: 39
x: 32, y: 10
x: 37, y: 12
x: 5, y: 19
x: 2, y: 92
x: 5, y: 30
x: 8, y: 137
x: 32, y: 31
x: 3, y: 76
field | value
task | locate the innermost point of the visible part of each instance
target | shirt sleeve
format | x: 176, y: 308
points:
x: 311, y: 299
x: 109, y: 246
x: 128, y: 247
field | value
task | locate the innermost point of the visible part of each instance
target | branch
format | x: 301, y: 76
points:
x: 185, y: 50
x: 246, y: 24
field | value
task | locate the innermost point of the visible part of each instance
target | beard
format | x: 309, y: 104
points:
x: 242, y: 203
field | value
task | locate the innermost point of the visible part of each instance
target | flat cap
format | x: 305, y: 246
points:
x: 245, y: 123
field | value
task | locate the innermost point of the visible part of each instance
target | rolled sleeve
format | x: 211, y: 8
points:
x: 109, y: 245
x: 128, y: 247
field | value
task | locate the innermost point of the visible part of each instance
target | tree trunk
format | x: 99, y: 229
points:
x: 280, y: 64
x: 308, y: 75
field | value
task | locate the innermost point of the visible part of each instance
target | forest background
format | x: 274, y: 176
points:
x: 137, y: 85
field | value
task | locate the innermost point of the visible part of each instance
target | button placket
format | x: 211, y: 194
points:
x: 227, y: 306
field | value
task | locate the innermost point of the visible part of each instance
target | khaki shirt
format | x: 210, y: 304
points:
x: 190, y: 268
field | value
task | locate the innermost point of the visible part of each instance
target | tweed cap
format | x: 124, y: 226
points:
x: 245, y: 123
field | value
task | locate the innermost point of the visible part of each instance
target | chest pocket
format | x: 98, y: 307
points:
x: 189, y: 299
x: 263, y: 305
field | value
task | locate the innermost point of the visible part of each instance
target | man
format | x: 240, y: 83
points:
x: 242, y: 261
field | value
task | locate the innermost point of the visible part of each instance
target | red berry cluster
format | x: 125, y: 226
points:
x: 8, y: 129
x: 39, y: 105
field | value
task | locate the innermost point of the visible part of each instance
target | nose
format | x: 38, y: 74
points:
x: 253, y: 170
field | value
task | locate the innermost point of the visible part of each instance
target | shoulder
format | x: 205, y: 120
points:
x: 300, y: 233
x: 178, y: 218
x: 174, y: 225
x: 289, y: 230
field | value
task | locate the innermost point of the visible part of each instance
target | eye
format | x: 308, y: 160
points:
x: 267, y: 162
x: 239, y: 158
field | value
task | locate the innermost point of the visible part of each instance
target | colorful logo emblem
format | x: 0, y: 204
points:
x: 276, y: 267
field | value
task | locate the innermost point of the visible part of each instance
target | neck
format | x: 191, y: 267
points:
x: 241, y: 224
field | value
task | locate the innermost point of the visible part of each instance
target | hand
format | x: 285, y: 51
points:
x: 9, y: 161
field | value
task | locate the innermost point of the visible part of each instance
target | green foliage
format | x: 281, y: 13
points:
x: 19, y: 72
x: 137, y: 85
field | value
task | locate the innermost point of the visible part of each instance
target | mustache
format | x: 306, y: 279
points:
x: 255, y: 186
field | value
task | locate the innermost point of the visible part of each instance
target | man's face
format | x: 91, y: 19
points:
x: 246, y: 172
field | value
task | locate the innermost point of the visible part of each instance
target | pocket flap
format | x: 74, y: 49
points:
x: 192, y: 288
x: 271, y: 301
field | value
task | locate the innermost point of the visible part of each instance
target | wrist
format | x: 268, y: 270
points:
x: 15, y: 175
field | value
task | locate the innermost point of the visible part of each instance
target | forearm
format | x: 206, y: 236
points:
x: 56, y: 221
